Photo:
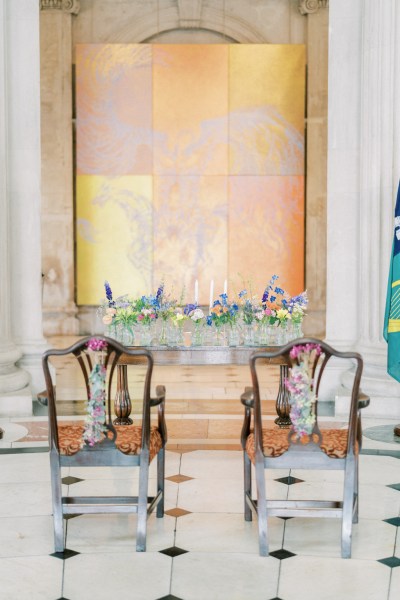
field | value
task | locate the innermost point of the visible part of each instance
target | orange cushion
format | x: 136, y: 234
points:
x: 275, y: 442
x: 129, y: 439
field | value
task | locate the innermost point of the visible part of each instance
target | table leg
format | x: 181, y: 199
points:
x: 122, y: 402
x: 282, y: 400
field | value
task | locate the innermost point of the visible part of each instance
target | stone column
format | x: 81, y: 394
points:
x: 316, y: 181
x: 19, y: 199
x: 59, y: 309
x: 364, y: 139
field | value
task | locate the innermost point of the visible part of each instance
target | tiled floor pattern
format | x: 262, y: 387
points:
x: 202, y: 548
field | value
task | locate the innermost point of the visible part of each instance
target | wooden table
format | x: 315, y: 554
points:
x: 196, y: 356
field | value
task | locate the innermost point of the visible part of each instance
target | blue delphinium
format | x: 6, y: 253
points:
x: 109, y: 295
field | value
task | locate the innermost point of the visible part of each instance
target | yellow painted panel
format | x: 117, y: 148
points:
x: 190, y: 109
x: 266, y: 231
x: 266, y: 109
x: 113, y: 235
x: 190, y: 233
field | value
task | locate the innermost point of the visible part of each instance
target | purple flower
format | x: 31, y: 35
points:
x: 95, y: 344
x: 109, y: 294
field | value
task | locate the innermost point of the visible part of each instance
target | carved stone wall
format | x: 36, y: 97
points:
x: 169, y: 21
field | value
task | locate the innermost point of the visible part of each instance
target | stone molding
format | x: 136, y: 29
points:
x: 307, y: 7
x: 189, y: 14
x: 69, y: 6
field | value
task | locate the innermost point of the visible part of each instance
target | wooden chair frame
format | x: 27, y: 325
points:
x: 106, y: 453
x: 302, y: 456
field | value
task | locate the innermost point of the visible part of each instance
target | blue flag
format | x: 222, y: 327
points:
x: 391, y: 328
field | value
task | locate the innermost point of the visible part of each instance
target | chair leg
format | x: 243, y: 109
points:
x: 261, y: 509
x: 161, y: 481
x: 56, y: 494
x: 142, y: 503
x: 248, y: 515
x: 348, y: 500
x: 356, y: 492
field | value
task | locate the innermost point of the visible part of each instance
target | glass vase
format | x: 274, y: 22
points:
x: 233, y: 335
x: 262, y: 334
x: 248, y: 334
x: 198, y: 334
x: 163, y: 335
x: 146, y: 334
x: 219, y: 335
x: 296, y: 331
x: 282, y: 333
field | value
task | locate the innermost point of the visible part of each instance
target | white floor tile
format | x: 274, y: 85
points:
x: 379, y: 470
x: 117, y: 533
x: 211, y: 495
x: 26, y: 536
x: 25, y: 468
x: 394, y: 593
x: 218, y: 465
x: 215, y: 532
x: 31, y: 578
x: 322, y: 537
x: 126, y: 576
x: 25, y: 499
x: 312, y: 578
x: 199, y: 576
x: 379, y: 502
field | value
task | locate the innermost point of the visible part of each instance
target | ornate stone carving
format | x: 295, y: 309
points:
x: 307, y: 7
x: 70, y: 6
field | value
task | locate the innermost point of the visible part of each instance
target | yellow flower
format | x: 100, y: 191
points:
x: 282, y: 314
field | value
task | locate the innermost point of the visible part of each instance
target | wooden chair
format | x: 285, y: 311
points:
x: 276, y: 448
x: 118, y: 446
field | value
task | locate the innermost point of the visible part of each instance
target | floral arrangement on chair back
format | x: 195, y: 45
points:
x: 300, y: 384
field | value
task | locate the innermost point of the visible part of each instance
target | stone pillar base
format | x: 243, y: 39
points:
x: 16, y: 404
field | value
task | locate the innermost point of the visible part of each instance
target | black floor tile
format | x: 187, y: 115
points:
x: 169, y: 597
x: 282, y: 554
x: 70, y: 480
x: 395, y: 521
x: 66, y: 554
x: 289, y: 480
x: 395, y: 486
x: 173, y: 551
x: 390, y: 561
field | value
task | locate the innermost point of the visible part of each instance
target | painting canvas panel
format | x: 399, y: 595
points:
x: 190, y: 165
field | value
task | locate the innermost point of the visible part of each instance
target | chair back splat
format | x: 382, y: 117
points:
x: 307, y: 444
x: 95, y: 441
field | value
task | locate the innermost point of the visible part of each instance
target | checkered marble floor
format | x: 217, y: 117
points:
x: 202, y: 548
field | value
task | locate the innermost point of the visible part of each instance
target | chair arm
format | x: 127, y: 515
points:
x: 160, y: 396
x: 247, y: 398
x: 363, y: 400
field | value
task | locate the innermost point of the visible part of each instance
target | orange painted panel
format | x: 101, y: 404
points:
x: 266, y: 231
x: 190, y: 234
x: 190, y: 109
x: 114, y: 109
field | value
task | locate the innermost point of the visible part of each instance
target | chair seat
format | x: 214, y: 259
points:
x: 128, y: 441
x: 276, y: 443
